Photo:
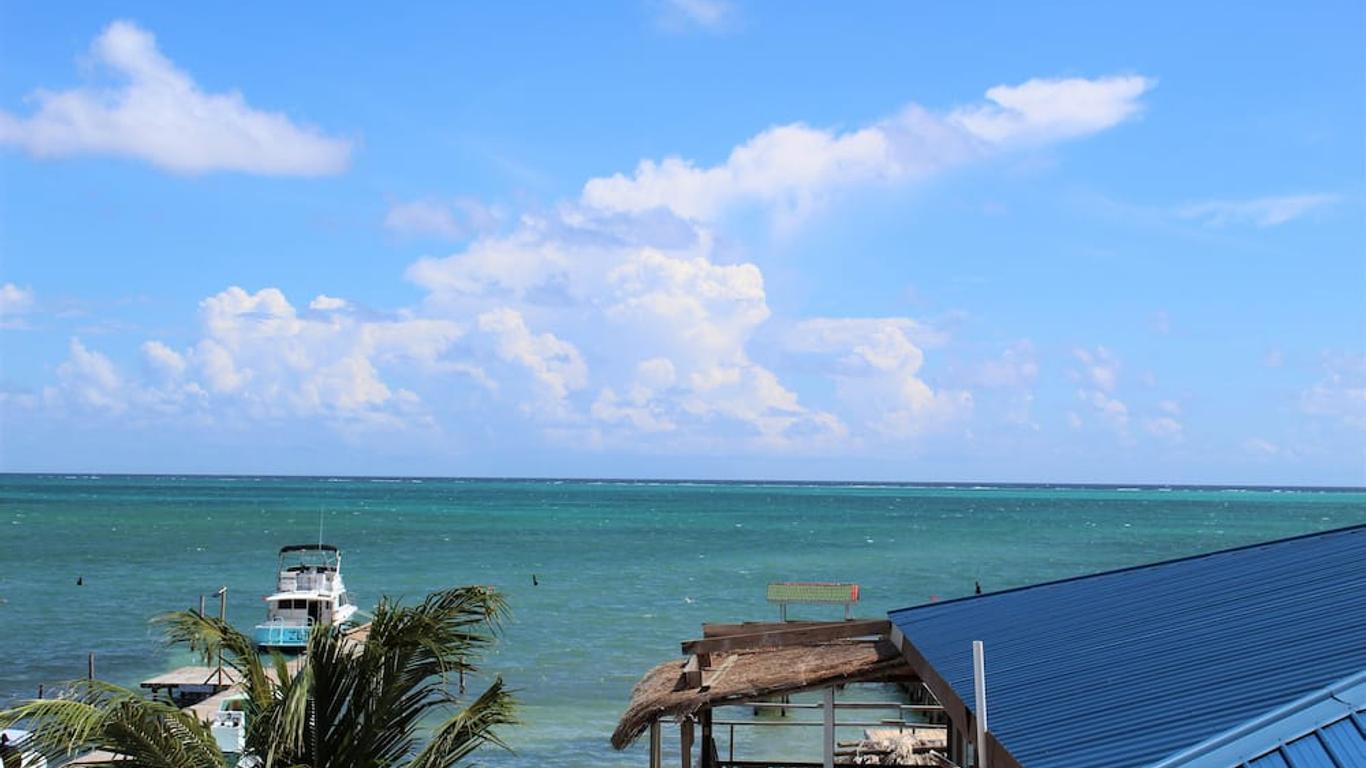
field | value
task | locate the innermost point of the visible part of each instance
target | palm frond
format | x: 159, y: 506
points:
x: 91, y: 715
x: 468, y: 730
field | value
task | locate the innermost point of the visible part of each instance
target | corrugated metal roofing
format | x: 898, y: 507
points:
x: 1321, y: 729
x: 1337, y: 745
x: 1126, y: 668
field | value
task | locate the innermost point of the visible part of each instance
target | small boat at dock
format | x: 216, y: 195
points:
x: 309, y: 591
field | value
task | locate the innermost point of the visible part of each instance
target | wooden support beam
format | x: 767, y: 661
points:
x: 749, y: 627
x: 685, y: 743
x: 780, y: 638
x: 656, y: 745
x: 692, y: 673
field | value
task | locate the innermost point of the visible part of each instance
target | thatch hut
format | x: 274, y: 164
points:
x: 747, y: 663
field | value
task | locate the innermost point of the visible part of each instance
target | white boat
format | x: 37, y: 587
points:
x: 12, y: 750
x: 308, y: 592
x: 229, y: 725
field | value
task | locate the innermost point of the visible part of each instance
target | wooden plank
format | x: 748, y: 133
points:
x: 711, y: 680
x: 788, y: 637
x: 719, y: 630
x: 692, y: 673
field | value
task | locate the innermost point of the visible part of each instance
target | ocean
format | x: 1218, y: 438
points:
x: 626, y: 569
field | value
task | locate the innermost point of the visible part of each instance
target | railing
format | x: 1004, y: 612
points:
x: 829, y: 723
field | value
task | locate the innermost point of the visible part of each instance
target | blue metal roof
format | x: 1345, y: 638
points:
x: 1321, y: 729
x: 1128, y: 668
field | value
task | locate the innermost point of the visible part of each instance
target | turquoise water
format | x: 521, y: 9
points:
x: 626, y: 569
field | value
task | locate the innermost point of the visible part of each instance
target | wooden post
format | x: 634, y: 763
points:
x: 685, y: 743
x: 40, y: 690
x: 708, y: 746
x: 222, y: 616
x: 979, y: 684
x: 90, y: 666
x: 656, y: 746
x: 828, y: 710
x: 201, y: 604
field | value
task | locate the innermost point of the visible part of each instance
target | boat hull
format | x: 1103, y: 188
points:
x: 281, y: 636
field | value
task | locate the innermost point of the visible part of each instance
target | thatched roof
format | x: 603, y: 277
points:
x: 752, y: 674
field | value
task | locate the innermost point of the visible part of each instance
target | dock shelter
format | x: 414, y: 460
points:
x: 1253, y: 657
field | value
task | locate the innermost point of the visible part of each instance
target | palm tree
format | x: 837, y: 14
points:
x: 352, y: 701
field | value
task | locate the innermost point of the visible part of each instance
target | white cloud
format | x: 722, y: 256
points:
x: 1100, y: 367
x: 618, y: 319
x: 708, y: 14
x: 1042, y: 110
x: 791, y: 169
x: 1169, y: 407
x: 1111, y: 411
x: 258, y: 359
x: 324, y: 303
x: 160, y: 115
x: 1016, y: 367
x: 1260, y: 212
x: 452, y: 220
x: 163, y: 360
x: 1165, y: 427
x: 15, y: 305
x: 1341, y: 394
x: 877, y: 373
x: 1261, y: 447
x: 91, y: 379
x: 555, y: 363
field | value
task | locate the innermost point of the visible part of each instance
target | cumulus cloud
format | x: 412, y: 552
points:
x: 1260, y: 212
x: 791, y: 169
x: 159, y: 114
x: 259, y: 358
x: 670, y: 326
x: 877, y: 373
x: 555, y: 363
x: 15, y: 305
x: 623, y: 317
x: 91, y: 379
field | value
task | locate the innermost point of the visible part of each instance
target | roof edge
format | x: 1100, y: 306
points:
x: 1248, y: 741
x: 1360, y: 527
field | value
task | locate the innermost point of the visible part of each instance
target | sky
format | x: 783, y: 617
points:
x: 1068, y: 242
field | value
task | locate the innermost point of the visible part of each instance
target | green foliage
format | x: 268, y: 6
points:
x: 349, y: 703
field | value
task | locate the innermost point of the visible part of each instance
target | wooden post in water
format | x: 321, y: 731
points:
x: 685, y: 743
x: 708, y: 745
x: 656, y: 746
x: 40, y: 690
x: 90, y: 666
x: 201, y: 603
x: 222, y: 616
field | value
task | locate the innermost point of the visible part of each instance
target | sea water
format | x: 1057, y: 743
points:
x: 625, y: 569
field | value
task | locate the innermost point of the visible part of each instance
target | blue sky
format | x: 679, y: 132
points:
x: 686, y: 238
